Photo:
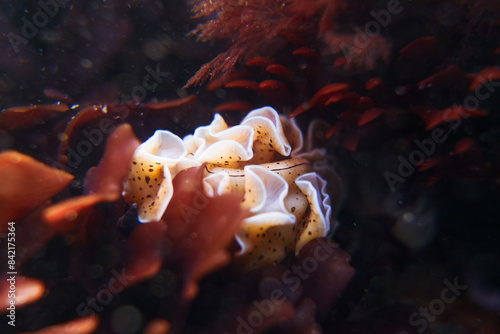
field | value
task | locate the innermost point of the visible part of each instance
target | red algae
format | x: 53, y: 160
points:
x: 278, y: 315
x: 171, y: 104
x: 419, y: 49
x: 325, y: 285
x: 26, y: 184
x: 200, y: 229
x: 103, y: 183
x: 234, y: 106
x: 86, y: 325
x: 26, y: 116
x: 28, y: 290
x: 485, y: 75
x: 447, y: 77
x: 107, y: 178
x: 157, y: 326
x: 147, y: 250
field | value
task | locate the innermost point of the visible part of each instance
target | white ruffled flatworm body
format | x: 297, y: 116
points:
x: 261, y: 159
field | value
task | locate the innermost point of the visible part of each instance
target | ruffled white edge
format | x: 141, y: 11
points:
x: 267, y: 119
x: 314, y: 187
x: 265, y: 194
x: 169, y: 150
x: 217, y: 184
x: 164, y: 146
x: 217, y: 143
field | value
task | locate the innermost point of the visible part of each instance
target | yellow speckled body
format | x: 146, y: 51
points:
x: 261, y: 159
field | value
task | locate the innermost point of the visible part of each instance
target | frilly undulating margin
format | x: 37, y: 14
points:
x: 153, y: 168
x: 257, y: 160
x: 219, y: 144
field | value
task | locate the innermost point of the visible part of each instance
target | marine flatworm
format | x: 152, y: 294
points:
x: 263, y: 159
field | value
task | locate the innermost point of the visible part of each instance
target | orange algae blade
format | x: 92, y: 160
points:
x: 25, y: 116
x: 341, y: 61
x: 374, y: 83
x: 260, y: 62
x: 147, y: 248
x: 488, y: 74
x: 157, y: 326
x: 32, y: 234
x: 456, y: 112
x: 350, y: 141
x: 294, y: 38
x: 168, y: 104
x: 324, y: 285
x: 65, y: 215
x: 464, y: 145
x: 106, y: 179
x: 281, y: 71
x: 275, y: 90
x: 247, y: 84
x: 234, y: 106
x: 28, y: 290
x: 446, y: 78
x: 85, y: 115
x: 370, y: 115
x: 85, y: 325
x: 431, y: 163
x: 322, y: 95
x: 300, y: 109
x: 420, y: 49
x: 200, y: 229
x: 343, y: 96
x: 103, y: 183
x: 339, y: 125
x: 306, y: 52
x: 26, y: 184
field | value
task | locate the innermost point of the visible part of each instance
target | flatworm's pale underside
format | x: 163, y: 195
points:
x: 261, y: 159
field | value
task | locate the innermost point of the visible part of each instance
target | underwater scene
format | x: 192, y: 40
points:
x: 250, y: 166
